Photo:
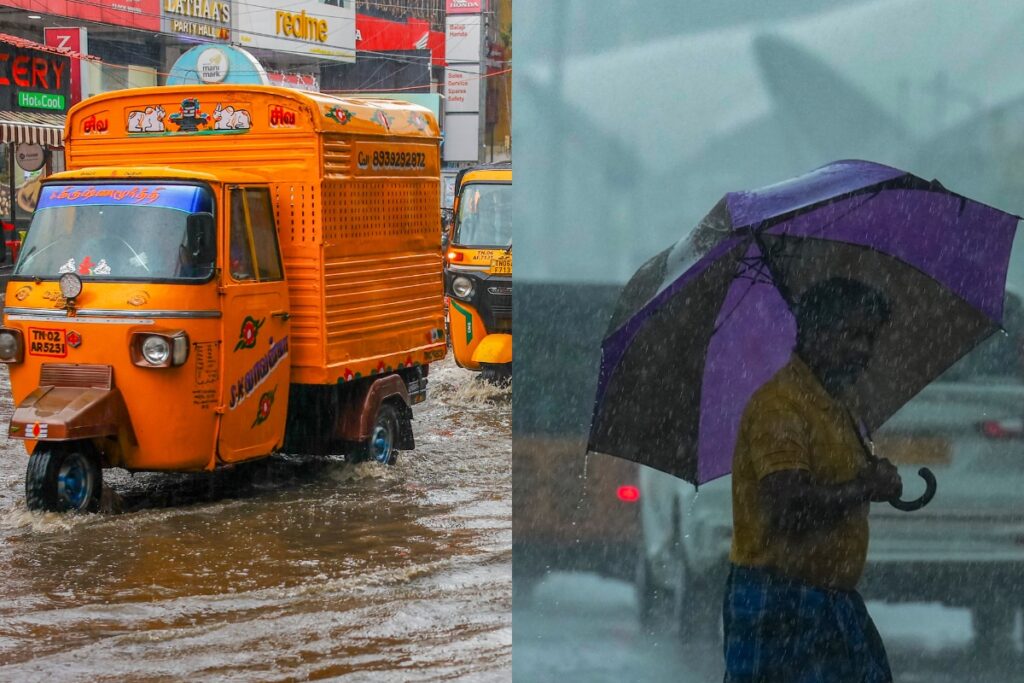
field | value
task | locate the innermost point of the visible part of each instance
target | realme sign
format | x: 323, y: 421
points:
x: 324, y: 29
x: 301, y: 26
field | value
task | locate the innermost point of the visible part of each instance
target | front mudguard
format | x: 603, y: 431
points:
x: 73, y: 403
x: 62, y: 413
x: 494, y: 349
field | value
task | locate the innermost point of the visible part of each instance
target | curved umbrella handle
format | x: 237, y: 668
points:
x: 929, y: 492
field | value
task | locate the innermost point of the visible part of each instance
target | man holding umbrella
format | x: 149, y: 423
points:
x: 750, y: 345
x: 801, y: 486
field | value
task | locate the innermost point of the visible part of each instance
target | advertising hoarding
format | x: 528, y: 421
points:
x: 143, y: 14
x: 76, y: 40
x: 33, y: 80
x: 462, y: 41
x: 461, y: 137
x: 209, y: 19
x: 207, y: 63
x: 309, y: 27
x: 307, y: 82
x: 464, y: 6
x: 462, y: 88
x: 380, y: 35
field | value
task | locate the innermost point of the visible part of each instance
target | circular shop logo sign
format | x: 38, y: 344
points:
x: 212, y: 66
x: 30, y: 157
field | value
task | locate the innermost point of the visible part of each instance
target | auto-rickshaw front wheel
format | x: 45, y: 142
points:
x: 63, y: 478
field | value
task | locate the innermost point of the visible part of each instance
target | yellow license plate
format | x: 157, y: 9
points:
x: 501, y: 265
x: 906, y: 450
x: 47, y: 341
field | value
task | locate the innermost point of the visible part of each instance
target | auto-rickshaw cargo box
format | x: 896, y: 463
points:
x: 259, y: 268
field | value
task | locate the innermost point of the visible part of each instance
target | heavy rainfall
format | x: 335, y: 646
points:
x: 288, y: 568
x: 257, y: 341
x: 640, y: 122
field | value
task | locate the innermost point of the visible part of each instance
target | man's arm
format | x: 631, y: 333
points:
x: 796, y: 504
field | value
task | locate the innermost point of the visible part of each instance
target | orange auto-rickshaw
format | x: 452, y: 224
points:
x: 201, y: 289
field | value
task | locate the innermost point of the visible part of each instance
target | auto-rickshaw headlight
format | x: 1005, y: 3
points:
x: 12, y: 345
x: 156, y: 350
x: 462, y: 287
x: 159, y: 350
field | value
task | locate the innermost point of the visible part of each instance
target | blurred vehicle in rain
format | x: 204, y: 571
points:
x: 570, y: 511
x: 965, y: 549
x: 478, y: 271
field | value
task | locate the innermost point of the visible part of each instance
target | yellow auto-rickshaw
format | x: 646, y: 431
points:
x: 478, y: 276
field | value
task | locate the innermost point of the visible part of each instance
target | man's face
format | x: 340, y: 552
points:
x: 843, y: 350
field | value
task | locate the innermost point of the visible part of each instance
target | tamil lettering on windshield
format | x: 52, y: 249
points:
x: 485, y: 215
x: 116, y: 232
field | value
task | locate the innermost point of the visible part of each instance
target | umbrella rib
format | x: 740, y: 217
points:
x: 761, y: 276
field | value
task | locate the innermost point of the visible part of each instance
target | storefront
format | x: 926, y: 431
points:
x: 35, y: 94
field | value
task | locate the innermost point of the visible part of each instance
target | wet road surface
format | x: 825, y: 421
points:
x: 581, y: 627
x: 290, y: 568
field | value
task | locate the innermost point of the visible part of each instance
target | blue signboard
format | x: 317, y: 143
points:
x: 213, y: 64
x: 187, y: 198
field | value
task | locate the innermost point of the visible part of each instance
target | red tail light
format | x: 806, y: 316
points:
x: 455, y: 256
x: 1002, y: 429
x: 628, y: 494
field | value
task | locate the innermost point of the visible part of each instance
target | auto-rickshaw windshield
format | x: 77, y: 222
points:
x: 116, y: 232
x: 485, y: 215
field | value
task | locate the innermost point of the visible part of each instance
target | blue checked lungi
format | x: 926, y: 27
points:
x: 778, y: 630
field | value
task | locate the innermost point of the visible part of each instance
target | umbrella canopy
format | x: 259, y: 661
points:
x: 702, y: 325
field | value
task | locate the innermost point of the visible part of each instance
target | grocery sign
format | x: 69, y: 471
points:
x: 31, y: 80
x: 143, y: 14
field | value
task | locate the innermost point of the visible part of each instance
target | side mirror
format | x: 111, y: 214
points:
x: 201, y: 238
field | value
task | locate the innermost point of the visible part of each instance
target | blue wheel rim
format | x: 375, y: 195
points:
x: 381, y: 444
x: 74, y: 485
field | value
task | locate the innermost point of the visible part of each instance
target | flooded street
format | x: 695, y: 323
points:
x: 291, y: 568
x: 579, y: 626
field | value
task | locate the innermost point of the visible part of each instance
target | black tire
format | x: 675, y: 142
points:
x: 497, y: 374
x: 380, y: 447
x: 63, y: 478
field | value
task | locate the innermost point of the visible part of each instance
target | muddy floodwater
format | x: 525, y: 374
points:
x: 290, y: 568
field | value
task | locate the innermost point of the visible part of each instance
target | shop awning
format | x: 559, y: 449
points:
x: 36, y: 127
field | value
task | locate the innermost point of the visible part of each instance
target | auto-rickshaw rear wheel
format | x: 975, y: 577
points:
x: 63, y: 478
x: 380, y: 447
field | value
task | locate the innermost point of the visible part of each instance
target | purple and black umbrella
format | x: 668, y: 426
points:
x: 702, y: 325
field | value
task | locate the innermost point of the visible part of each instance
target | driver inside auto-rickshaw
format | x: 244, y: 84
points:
x: 495, y: 219
x: 487, y: 219
x: 96, y: 249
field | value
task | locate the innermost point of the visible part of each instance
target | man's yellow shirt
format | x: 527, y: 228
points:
x: 792, y: 423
